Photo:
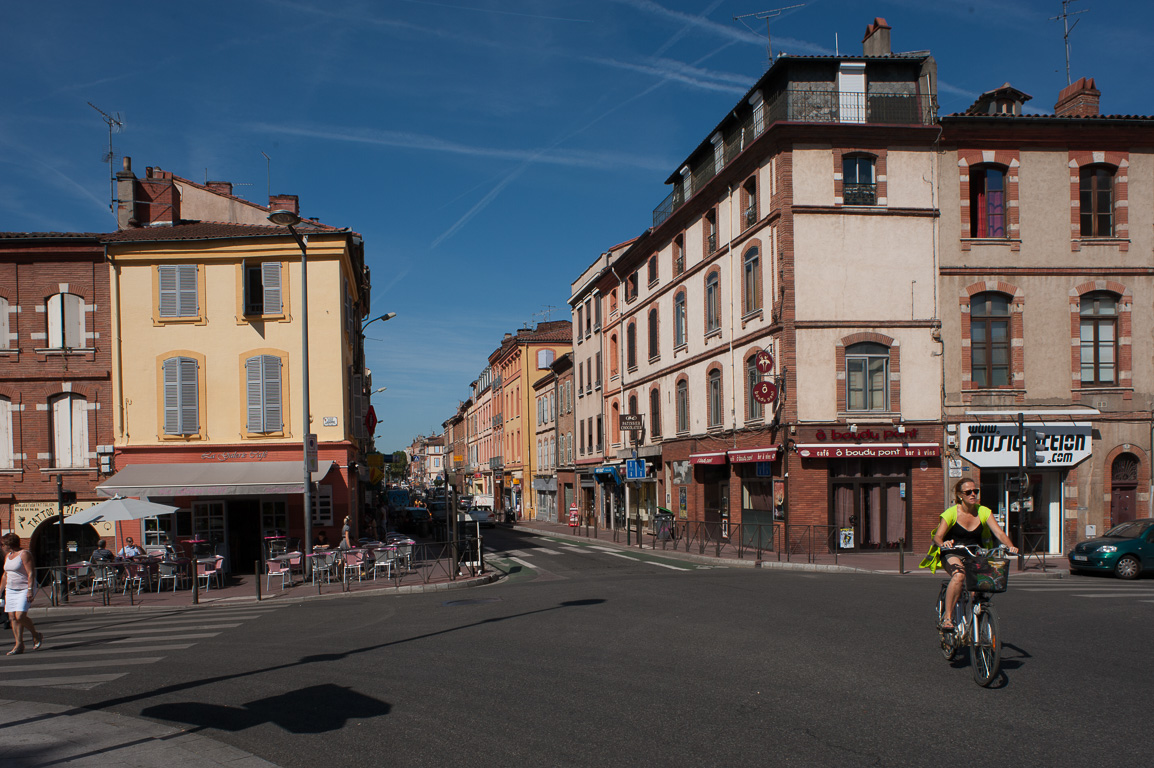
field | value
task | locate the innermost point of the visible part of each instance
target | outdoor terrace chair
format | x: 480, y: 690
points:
x: 103, y: 576
x: 354, y: 560
x: 280, y: 568
x: 386, y: 560
x: 167, y: 571
x: 210, y: 570
x: 134, y: 576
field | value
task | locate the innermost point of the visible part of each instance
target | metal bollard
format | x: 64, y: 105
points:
x: 256, y: 570
x: 901, y: 556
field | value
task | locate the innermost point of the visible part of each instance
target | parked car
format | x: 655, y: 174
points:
x: 464, y: 501
x: 482, y: 515
x: 1126, y: 550
x: 418, y: 519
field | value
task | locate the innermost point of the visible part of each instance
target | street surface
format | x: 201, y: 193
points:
x: 587, y: 655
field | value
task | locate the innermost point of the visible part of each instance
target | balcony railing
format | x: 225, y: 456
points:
x: 860, y: 194
x: 803, y: 105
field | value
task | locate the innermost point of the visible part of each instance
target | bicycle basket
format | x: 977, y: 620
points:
x: 988, y: 575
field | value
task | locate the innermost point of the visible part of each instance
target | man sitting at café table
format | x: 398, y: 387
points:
x: 102, y: 552
x: 129, y: 550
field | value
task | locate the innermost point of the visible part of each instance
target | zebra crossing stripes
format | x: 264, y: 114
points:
x: 1106, y: 589
x: 81, y: 653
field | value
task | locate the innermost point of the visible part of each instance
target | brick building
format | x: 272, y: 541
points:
x: 55, y: 385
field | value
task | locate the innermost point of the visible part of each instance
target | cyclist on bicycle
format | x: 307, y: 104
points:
x: 967, y: 523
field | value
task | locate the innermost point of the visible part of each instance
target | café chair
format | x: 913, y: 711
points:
x: 280, y: 568
x: 210, y: 570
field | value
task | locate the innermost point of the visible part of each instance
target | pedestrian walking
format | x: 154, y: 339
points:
x: 18, y: 584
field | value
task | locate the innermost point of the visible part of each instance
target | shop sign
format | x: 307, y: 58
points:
x: 753, y: 455
x: 234, y: 456
x: 876, y: 451
x: 707, y: 458
x: 865, y: 434
x: 30, y: 514
x: 993, y: 445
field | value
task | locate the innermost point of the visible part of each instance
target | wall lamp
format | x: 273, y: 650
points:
x: 386, y: 316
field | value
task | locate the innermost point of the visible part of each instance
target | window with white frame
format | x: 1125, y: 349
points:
x: 679, y: 320
x: 263, y: 387
x: 7, y: 457
x: 867, y: 367
x: 65, y: 321
x: 5, y: 342
x: 323, y: 505
x: 1098, y: 322
x: 69, y: 431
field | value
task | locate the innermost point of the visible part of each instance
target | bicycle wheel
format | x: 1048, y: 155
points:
x: 987, y: 651
x: 949, y: 646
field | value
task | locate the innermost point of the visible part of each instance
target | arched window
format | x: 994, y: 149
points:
x: 615, y: 422
x: 711, y: 231
x: 859, y: 187
x: 988, y: 201
x: 5, y: 341
x: 1096, y: 200
x: 69, y: 431
x: 614, y: 356
x: 678, y: 255
x: 751, y: 281
x: 655, y: 412
x: 683, y: 406
x: 654, y: 349
x: 652, y: 269
x: 1098, y: 320
x: 7, y: 457
x: 752, y: 377
x: 713, y: 392
x: 749, y: 202
x: 867, y: 377
x: 631, y: 346
x: 679, y: 320
x: 990, y: 340
x: 65, y: 321
x: 712, y: 302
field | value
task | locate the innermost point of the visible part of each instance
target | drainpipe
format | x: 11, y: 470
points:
x: 117, y: 361
x: 621, y: 372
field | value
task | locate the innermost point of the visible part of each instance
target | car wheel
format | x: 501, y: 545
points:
x: 1127, y: 567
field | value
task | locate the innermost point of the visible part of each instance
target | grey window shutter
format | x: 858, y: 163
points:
x: 270, y: 277
x: 172, y: 396
x: 73, y: 321
x: 189, y: 392
x: 188, y: 301
x: 255, y: 399
x: 168, y: 281
x: 273, y: 418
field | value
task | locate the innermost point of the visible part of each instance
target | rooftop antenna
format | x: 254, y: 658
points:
x: 1065, y: 17
x: 115, y: 124
x: 546, y: 313
x: 767, y: 15
x: 268, y: 172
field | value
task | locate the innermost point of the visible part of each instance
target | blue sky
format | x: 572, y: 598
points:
x: 488, y: 150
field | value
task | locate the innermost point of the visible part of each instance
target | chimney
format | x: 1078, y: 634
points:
x: 285, y: 203
x: 223, y: 187
x: 877, y: 38
x: 125, y: 196
x: 1079, y: 99
x: 157, y: 199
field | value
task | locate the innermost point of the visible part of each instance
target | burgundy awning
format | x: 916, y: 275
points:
x: 707, y: 458
x: 868, y: 451
x: 750, y: 455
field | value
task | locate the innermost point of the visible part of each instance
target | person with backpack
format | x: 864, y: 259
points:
x: 967, y: 523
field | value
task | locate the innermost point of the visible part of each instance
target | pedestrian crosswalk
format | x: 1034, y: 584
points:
x: 81, y: 652
x: 524, y: 556
x: 1092, y: 588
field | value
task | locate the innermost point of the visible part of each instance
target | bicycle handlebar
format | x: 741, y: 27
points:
x: 976, y: 551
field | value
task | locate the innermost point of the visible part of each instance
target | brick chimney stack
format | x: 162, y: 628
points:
x: 877, y: 38
x: 285, y: 203
x: 223, y: 187
x: 1079, y: 99
x: 148, y: 202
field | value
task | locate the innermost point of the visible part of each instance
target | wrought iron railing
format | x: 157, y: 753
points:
x: 860, y: 194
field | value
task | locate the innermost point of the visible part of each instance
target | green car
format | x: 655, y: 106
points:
x: 1126, y: 550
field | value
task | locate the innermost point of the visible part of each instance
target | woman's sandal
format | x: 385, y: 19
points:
x: 15, y: 651
x: 37, y: 639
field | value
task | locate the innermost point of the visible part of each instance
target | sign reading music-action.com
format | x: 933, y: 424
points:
x: 997, y: 445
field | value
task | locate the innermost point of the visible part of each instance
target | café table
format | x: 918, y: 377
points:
x: 324, y: 562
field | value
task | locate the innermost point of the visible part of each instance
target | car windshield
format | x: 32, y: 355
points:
x: 1130, y: 530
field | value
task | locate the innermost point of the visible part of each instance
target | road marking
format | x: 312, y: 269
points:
x: 627, y: 557
x: 81, y: 664
x: 524, y: 563
x: 603, y: 549
x: 579, y: 550
x: 196, y: 636
x: 1106, y: 594
x: 70, y: 681
x: 665, y: 565
x: 64, y: 651
x: 549, y: 551
x: 141, y: 630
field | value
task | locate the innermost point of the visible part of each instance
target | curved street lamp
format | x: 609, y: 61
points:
x: 386, y: 316
x: 290, y: 219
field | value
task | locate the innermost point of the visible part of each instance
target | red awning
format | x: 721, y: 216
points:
x: 873, y: 450
x: 707, y: 458
x: 751, y: 455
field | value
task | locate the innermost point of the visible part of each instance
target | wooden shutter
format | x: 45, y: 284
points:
x: 172, y: 396
x: 167, y: 278
x: 55, y: 311
x: 254, y: 401
x: 73, y: 321
x: 4, y: 343
x: 7, y: 461
x: 186, y: 289
x: 270, y: 278
x: 79, y: 431
x: 358, y: 410
x: 273, y: 418
x: 189, y: 393
x: 61, y: 431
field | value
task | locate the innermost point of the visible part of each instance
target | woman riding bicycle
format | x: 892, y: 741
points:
x: 967, y: 523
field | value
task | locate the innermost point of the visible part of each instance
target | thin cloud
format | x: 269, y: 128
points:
x: 568, y: 158
x: 540, y: 17
x: 667, y: 69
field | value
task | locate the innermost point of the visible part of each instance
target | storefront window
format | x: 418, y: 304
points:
x: 869, y: 503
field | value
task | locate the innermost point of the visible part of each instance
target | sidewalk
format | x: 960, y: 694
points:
x: 1057, y: 566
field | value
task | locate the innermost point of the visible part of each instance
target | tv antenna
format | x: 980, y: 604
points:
x: 766, y: 15
x: 115, y: 125
x: 546, y: 313
x: 1065, y: 17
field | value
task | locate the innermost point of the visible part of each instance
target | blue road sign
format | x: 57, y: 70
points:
x: 635, y: 469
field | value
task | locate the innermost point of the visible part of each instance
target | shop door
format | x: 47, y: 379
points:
x: 1123, y: 488
x: 715, y: 484
x: 208, y: 526
x: 244, y: 536
x: 869, y: 515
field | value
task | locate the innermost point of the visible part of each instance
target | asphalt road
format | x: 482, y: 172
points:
x: 587, y: 657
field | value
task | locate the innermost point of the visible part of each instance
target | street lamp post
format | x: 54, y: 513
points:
x: 290, y: 220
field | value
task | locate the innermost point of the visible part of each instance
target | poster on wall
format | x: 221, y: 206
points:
x: 680, y: 472
x: 845, y: 538
x: 682, y: 508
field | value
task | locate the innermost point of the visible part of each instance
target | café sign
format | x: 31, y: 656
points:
x: 997, y: 445
x: 873, y: 451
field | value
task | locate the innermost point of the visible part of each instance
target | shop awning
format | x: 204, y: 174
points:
x: 707, y: 458
x: 868, y: 451
x: 607, y: 474
x: 751, y: 455
x: 242, y: 478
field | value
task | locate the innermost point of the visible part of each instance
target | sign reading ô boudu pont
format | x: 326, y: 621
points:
x: 864, y: 435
